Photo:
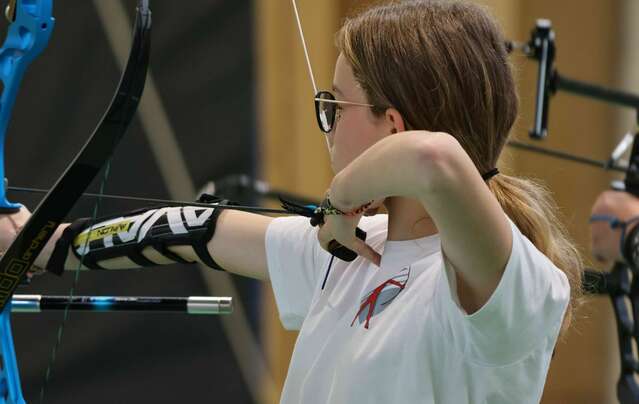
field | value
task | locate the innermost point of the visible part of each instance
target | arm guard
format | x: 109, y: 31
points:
x: 128, y: 236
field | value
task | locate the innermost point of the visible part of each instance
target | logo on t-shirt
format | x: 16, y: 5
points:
x: 378, y: 299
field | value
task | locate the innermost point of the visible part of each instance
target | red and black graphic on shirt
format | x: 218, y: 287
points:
x: 378, y: 299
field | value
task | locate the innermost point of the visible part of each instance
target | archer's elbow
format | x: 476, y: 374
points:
x: 437, y: 161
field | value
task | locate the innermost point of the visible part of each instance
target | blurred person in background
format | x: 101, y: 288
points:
x: 618, y: 243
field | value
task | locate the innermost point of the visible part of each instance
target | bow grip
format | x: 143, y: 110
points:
x: 342, y: 252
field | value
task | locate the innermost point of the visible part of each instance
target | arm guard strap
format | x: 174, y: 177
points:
x: 128, y: 236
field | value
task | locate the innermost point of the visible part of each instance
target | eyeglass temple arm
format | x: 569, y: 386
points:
x: 344, y: 102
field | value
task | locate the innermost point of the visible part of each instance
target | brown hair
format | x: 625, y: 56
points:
x: 444, y: 66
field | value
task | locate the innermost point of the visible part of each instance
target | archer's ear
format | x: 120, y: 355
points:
x: 394, y: 120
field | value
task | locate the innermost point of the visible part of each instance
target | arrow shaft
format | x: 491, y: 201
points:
x: 205, y: 305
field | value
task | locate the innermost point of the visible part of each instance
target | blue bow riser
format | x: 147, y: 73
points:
x: 27, y: 37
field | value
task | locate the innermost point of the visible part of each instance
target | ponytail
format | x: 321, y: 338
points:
x: 531, y: 207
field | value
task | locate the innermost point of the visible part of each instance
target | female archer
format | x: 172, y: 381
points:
x: 458, y: 294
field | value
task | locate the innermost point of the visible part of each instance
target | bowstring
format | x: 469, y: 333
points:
x: 308, y: 60
x: 76, y: 280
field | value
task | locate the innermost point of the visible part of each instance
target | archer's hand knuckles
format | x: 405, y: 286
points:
x: 343, y: 232
x: 11, y: 225
x: 325, y: 234
x: 322, y: 237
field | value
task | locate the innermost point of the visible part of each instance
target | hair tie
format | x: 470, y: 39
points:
x: 490, y: 174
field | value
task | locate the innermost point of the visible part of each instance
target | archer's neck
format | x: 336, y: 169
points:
x: 407, y: 219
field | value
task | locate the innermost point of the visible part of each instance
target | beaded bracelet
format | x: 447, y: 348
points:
x: 326, y: 208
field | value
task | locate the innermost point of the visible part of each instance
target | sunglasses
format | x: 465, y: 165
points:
x: 326, y: 109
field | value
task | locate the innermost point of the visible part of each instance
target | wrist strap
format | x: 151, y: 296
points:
x: 58, y: 257
x: 327, y: 208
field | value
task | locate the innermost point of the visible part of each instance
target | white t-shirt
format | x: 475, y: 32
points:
x: 420, y: 346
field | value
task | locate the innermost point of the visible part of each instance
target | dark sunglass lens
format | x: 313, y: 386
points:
x: 325, y: 111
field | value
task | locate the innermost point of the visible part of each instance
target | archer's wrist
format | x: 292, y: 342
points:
x: 45, y: 254
x: 342, y: 198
